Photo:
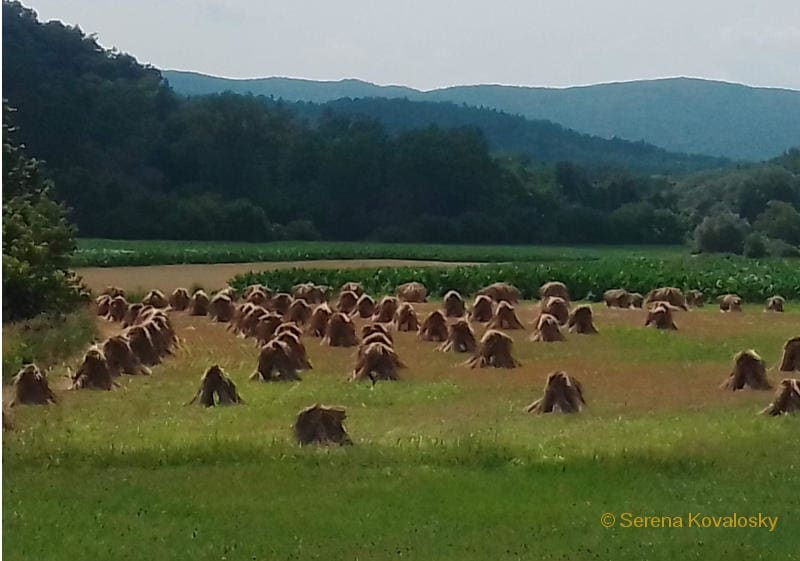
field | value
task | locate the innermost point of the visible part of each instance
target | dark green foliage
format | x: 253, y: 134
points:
x: 781, y: 221
x: 716, y: 205
x: 211, y: 217
x: 723, y: 232
x: 541, y: 141
x: 790, y: 160
x: 37, y: 239
x: 391, y: 234
x: 779, y: 248
x: 646, y: 223
x: 98, y: 119
x: 745, y: 191
x: 301, y: 230
x: 755, y: 245
x: 759, y: 186
x: 92, y: 115
x: 752, y: 280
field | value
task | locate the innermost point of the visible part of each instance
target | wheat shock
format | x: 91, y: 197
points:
x: 695, y: 520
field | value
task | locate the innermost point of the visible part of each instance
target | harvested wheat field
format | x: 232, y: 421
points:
x: 442, y: 463
x: 216, y: 275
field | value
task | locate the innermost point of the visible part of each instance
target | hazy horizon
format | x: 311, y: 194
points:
x: 430, y: 45
x: 393, y: 84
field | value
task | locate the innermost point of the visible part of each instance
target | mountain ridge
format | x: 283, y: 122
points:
x: 176, y: 71
x: 681, y: 114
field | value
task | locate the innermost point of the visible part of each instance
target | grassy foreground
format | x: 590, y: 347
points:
x: 445, y: 464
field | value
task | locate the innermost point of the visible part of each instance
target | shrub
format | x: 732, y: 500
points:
x: 391, y: 234
x: 779, y: 248
x: 37, y: 239
x: 721, y: 233
x: 429, y: 228
x: 755, y: 245
x: 301, y: 230
x: 780, y: 221
x: 477, y: 227
x: 579, y: 224
x: 646, y: 223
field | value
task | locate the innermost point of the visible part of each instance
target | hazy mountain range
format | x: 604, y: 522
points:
x: 679, y: 114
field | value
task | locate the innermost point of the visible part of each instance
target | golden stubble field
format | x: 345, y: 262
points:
x: 625, y: 369
x: 217, y: 275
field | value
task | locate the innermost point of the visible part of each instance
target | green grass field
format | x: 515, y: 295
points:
x: 445, y: 464
x: 47, y: 341
x: 117, y: 253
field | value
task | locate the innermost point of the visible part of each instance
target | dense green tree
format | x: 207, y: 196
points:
x: 430, y: 228
x: 767, y: 195
x: 534, y: 141
x: 481, y: 228
x: 790, y: 160
x: 574, y: 182
x: 37, y: 238
x: 755, y: 245
x: 779, y: 248
x: 302, y: 230
x: 581, y: 224
x: 757, y: 187
x: 781, y: 221
x: 723, y: 232
x: 645, y: 223
x: 91, y: 114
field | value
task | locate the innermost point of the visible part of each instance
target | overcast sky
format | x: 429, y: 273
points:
x: 433, y: 43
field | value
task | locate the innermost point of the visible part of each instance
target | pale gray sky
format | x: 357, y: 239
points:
x: 433, y: 43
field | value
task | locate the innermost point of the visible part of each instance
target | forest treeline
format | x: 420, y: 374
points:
x: 535, y: 141
x: 132, y: 159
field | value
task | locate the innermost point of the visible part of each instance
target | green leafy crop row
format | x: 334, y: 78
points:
x: 752, y: 280
x: 118, y: 253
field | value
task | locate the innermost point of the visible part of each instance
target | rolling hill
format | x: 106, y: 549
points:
x: 679, y: 114
x: 540, y: 140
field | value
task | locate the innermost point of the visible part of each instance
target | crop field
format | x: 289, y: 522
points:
x: 120, y: 253
x: 445, y: 463
x: 214, y: 276
x: 753, y: 280
x: 587, y: 271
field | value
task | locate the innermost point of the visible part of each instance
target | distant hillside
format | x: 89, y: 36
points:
x: 678, y: 114
x: 541, y: 141
x: 290, y: 89
x: 134, y: 160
